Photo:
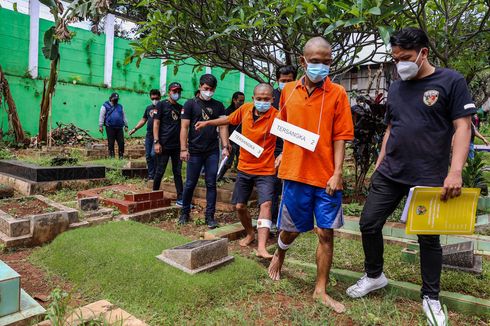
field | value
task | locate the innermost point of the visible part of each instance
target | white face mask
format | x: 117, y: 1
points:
x: 155, y: 102
x: 281, y: 85
x: 207, y: 95
x: 408, y: 69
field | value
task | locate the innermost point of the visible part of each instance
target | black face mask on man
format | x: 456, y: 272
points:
x: 115, y: 101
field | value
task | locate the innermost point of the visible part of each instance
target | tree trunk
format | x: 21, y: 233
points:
x: 13, y: 117
x: 48, y: 91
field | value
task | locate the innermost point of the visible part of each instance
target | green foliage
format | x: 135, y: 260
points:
x: 473, y: 173
x: 352, y: 209
x: 5, y: 154
x: 114, y: 176
x: 58, y: 308
x: 235, y: 35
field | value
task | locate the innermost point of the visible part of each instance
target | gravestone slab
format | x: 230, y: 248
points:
x: 88, y: 203
x: 197, y: 256
x: 477, y: 267
x: 458, y: 254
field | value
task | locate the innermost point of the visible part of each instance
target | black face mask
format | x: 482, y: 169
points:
x: 115, y: 101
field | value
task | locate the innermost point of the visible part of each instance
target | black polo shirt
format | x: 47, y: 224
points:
x: 421, y: 113
x: 169, y: 131
x: 206, y: 139
x: 150, y: 112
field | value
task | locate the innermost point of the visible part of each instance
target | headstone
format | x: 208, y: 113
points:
x: 460, y: 256
x: 88, y: 203
x: 9, y: 290
x: 197, y: 256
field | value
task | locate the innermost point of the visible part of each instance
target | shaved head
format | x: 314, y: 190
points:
x: 263, y: 88
x: 316, y: 43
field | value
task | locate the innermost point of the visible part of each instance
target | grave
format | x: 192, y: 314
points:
x: 224, y: 195
x: 38, y: 173
x: 88, y: 203
x: 127, y: 200
x: 99, y: 150
x: 33, y: 220
x: 461, y: 257
x: 16, y: 306
x: 197, y: 256
x: 30, y: 179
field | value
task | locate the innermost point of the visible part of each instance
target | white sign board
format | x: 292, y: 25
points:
x: 294, y: 134
x: 246, y: 144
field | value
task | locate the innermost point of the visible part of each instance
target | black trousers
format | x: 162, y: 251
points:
x: 383, y: 198
x: 161, y: 165
x: 113, y: 135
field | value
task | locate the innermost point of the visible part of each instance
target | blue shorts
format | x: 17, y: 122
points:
x: 300, y: 201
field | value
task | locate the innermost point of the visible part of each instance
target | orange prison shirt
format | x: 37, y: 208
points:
x: 258, y: 132
x: 300, y: 109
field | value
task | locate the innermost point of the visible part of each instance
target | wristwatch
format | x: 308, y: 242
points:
x: 155, y: 141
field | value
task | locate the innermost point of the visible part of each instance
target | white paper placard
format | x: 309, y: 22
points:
x: 294, y: 134
x: 246, y: 144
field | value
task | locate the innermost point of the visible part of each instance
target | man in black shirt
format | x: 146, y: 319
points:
x: 166, y: 133
x: 201, y: 148
x: 424, y: 110
x: 150, y: 111
x: 237, y: 101
x: 284, y: 74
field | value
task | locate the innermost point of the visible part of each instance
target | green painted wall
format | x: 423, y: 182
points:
x: 80, y: 91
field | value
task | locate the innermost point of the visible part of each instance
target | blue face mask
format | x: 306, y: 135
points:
x: 281, y: 85
x: 175, y: 96
x: 262, y: 106
x: 317, y: 72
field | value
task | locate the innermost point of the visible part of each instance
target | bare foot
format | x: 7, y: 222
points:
x: 262, y: 253
x: 329, y: 302
x: 276, y: 265
x: 247, y: 240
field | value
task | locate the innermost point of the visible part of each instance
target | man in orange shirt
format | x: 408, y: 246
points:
x: 256, y: 120
x: 313, y: 179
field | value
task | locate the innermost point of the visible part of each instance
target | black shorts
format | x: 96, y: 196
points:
x: 264, y: 184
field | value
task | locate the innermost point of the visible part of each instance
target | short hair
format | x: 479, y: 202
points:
x: 264, y: 85
x: 209, y: 80
x: 155, y: 92
x: 286, y: 70
x: 236, y: 94
x: 410, y: 38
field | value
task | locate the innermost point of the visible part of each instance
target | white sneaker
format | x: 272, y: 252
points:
x: 366, y: 285
x: 433, y: 311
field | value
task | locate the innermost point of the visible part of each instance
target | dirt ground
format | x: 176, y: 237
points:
x: 21, y: 207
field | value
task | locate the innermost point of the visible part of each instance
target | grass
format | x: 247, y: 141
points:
x: 116, y: 261
x: 349, y: 255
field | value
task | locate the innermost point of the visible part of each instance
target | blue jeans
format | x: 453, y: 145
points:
x: 150, y: 156
x: 194, y: 165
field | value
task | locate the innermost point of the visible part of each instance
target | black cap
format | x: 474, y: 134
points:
x: 114, y: 96
x: 174, y: 86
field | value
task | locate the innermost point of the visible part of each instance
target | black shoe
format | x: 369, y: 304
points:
x: 212, y: 224
x: 183, y: 219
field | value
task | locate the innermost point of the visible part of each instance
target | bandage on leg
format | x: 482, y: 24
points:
x: 281, y: 244
x: 263, y: 223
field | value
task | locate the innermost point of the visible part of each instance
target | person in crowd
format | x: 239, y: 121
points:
x: 166, y: 134
x: 425, y: 108
x: 113, y: 118
x: 475, y: 133
x: 237, y: 101
x: 147, y: 119
x: 284, y: 74
x: 313, y: 179
x: 256, y: 119
x: 200, y: 148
